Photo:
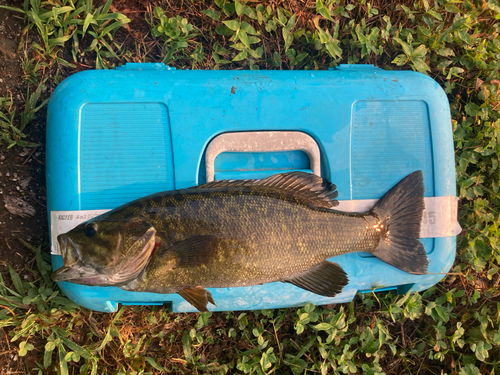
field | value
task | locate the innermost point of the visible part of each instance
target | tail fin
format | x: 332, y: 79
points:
x: 400, y: 211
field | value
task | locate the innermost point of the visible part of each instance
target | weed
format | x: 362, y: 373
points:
x: 12, y: 134
x: 59, y: 22
x: 176, y: 33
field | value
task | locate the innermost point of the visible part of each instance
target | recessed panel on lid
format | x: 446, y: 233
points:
x: 125, y: 153
x: 389, y: 140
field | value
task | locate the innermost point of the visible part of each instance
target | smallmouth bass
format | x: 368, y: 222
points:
x: 242, y: 233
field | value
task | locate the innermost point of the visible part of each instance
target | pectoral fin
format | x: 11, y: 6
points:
x: 198, y: 297
x: 326, y: 279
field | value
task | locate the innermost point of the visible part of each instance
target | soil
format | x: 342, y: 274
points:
x: 22, y: 172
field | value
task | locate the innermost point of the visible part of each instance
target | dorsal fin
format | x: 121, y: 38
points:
x: 315, y: 189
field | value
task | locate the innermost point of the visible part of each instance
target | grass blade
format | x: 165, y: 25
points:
x: 63, y: 365
x: 82, y: 352
x: 12, y: 8
x: 16, y: 280
x: 88, y: 20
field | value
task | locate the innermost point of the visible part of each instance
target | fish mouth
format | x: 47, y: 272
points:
x: 79, y: 275
x: 76, y: 271
x: 73, y: 269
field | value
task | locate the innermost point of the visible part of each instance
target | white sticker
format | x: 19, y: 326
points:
x: 439, y: 218
x: 63, y: 221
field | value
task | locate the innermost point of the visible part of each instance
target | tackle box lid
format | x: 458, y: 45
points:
x: 117, y: 135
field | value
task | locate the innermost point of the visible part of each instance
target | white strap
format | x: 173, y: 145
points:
x: 439, y: 218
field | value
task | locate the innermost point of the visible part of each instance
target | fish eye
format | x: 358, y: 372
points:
x: 90, y: 229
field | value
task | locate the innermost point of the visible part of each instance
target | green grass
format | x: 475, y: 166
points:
x: 453, y: 328
x: 12, y: 125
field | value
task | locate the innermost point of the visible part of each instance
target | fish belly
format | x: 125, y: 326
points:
x: 255, y: 240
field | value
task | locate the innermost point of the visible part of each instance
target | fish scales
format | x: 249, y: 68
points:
x: 272, y: 234
x: 241, y: 233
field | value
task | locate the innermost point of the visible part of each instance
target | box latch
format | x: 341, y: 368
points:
x: 144, y: 66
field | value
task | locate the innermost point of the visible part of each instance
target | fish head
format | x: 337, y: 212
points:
x: 105, y: 252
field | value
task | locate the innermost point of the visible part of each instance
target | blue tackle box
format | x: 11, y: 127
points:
x: 117, y: 135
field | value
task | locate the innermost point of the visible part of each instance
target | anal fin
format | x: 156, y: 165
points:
x: 326, y: 279
x: 198, y: 297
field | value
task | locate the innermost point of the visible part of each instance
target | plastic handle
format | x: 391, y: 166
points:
x: 268, y: 141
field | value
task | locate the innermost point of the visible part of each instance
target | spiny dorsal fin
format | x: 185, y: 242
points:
x: 315, y: 189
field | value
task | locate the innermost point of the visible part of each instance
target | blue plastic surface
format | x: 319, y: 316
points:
x: 113, y: 136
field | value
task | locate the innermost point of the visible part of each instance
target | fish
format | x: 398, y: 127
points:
x: 238, y: 233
